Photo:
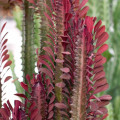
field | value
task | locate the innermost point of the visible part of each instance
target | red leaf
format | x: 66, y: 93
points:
x: 5, y: 41
x: 46, y: 64
x: 52, y: 99
x: 101, y: 88
x: 100, y: 63
x: 28, y: 77
x: 7, y: 109
x: 7, y: 78
x: 4, y: 114
x: 34, y: 114
x: 102, y: 39
x: 100, y: 82
x: 5, y: 58
x: 3, y: 27
x: 68, y: 16
x: 31, y: 1
x: 96, y: 70
x: 65, y: 76
x: 21, y: 95
x: 48, y: 8
x: 100, y: 31
x: 25, y: 86
x: 60, y: 84
x: 32, y: 106
x: 105, y: 97
x: 66, y: 53
x: 61, y: 105
x: 50, y: 108
x: 47, y: 72
x: 102, y: 103
x: 9, y: 105
x: 103, y: 110
x: 49, y: 50
x: 59, y: 61
x: 64, y: 113
x: 46, y: 57
x: 67, y: 5
x: 4, y: 48
x: 89, y: 23
x: 8, y: 63
x: 102, y: 49
x: 49, y: 18
x: 97, y: 25
x: 4, y: 53
x: 82, y: 4
x: 83, y: 11
x: 99, y: 75
x: 65, y: 70
x: 105, y: 116
x: 98, y: 58
x: 50, y: 115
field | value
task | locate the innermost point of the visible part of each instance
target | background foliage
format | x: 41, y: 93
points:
x: 108, y: 12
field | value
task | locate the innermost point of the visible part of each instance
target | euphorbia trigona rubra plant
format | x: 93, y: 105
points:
x: 70, y: 66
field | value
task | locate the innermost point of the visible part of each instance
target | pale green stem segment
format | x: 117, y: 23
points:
x: 28, y: 51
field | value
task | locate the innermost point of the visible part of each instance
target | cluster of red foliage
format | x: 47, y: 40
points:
x: 70, y: 68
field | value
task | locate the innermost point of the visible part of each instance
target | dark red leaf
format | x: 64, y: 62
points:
x: 7, y: 109
x: 7, y: 78
x: 25, y: 86
x: 3, y: 27
x: 5, y: 41
x: 8, y: 63
x: 4, y: 114
x: 4, y: 53
x: 5, y: 58
x: 21, y: 95
x: 9, y: 105
x: 34, y: 114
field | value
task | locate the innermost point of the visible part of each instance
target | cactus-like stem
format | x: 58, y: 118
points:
x: 28, y: 51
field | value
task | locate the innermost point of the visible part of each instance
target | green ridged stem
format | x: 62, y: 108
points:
x: 28, y: 51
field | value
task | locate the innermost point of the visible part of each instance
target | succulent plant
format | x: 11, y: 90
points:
x: 70, y: 64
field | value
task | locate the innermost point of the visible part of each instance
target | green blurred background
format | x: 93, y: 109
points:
x: 109, y: 12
